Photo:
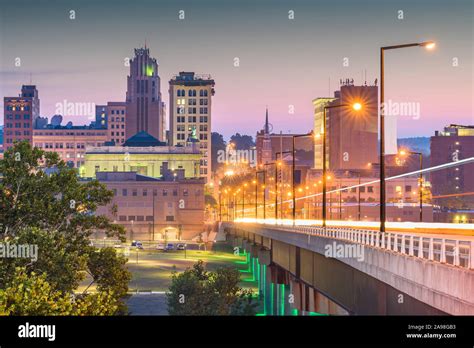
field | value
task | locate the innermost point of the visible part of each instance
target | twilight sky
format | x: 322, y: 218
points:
x: 283, y: 62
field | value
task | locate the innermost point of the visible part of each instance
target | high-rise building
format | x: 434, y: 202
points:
x: 144, y: 106
x: 116, y: 125
x: 190, y: 112
x: 351, y: 136
x: 453, y: 144
x: 20, y: 114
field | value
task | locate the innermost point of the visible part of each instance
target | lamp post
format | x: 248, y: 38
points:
x: 293, y: 195
x: 256, y: 192
x: 243, y: 199
x: 356, y: 107
x: 220, y: 207
x: 428, y: 45
x: 420, y: 179
x: 275, y: 178
x: 281, y: 153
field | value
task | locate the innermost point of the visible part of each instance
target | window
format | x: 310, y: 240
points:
x: 165, y: 192
x: 149, y: 218
x: 370, y: 189
x: 134, y: 192
x: 169, y: 217
x: 362, y: 189
x: 185, y: 192
x: 175, y: 192
x: 155, y: 192
x: 131, y: 218
x: 192, y: 93
x: 407, y: 188
x: 145, y: 192
x: 140, y: 218
x: 122, y: 218
x: 124, y: 192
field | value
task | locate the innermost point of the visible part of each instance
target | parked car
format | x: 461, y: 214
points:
x: 170, y: 246
x: 160, y: 246
x: 180, y: 246
x: 137, y: 244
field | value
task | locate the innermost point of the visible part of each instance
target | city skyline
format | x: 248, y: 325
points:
x: 304, y: 52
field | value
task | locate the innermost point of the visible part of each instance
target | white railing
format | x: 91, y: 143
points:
x: 456, y: 252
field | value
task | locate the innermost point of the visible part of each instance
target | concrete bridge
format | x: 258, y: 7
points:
x: 346, y: 271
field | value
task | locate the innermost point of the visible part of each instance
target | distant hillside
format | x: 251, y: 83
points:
x: 419, y: 144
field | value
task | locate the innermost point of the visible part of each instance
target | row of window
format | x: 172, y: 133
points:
x: 112, y: 126
x: 18, y: 117
x: 117, y: 119
x: 17, y: 133
x: 117, y: 112
x: 140, y: 218
x: 17, y: 125
x: 192, y: 119
x: 156, y: 192
x: 20, y: 108
x: 191, y: 101
x: 192, y: 110
x: 191, y: 93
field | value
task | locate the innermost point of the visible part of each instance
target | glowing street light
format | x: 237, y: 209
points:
x: 428, y: 45
x: 357, y: 107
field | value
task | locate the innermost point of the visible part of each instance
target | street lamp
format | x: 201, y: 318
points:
x: 420, y: 156
x: 293, y: 171
x: 275, y: 178
x: 356, y: 107
x: 281, y: 153
x: 428, y: 45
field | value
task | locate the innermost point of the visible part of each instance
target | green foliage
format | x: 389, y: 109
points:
x: 31, y: 294
x: 107, y: 269
x: 62, y: 260
x: 218, y: 144
x: 242, y: 142
x: 43, y: 203
x: 39, y: 190
x: 197, y: 291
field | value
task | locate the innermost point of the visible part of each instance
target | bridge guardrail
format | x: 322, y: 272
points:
x: 455, y: 252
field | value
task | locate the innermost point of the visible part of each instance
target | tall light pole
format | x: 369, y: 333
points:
x: 293, y: 155
x: 420, y: 178
x: 281, y: 153
x: 275, y: 178
x: 243, y: 199
x: 428, y: 45
x: 356, y: 107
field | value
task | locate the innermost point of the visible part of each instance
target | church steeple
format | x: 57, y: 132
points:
x: 267, y: 128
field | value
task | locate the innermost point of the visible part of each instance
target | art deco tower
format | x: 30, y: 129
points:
x: 144, y: 106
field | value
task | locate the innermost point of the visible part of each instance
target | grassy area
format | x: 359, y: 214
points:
x: 151, y: 270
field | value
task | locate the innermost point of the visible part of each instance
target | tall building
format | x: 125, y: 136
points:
x: 351, y: 138
x: 116, y: 124
x: 144, y: 106
x: 20, y: 114
x: 455, y: 143
x: 190, y: 111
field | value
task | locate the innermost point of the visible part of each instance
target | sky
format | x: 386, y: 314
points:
x: 283, y: 63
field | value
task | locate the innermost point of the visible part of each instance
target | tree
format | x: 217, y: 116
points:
x: 197, y: 291
x: 242, y: 142
x: 31, y: 294
x: 43, y: 203
x: 218, y: 144
x: 39, y: 190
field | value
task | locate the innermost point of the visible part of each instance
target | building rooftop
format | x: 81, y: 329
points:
x: 143, y: 139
